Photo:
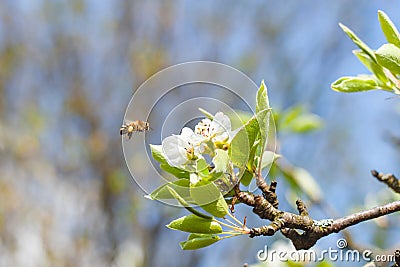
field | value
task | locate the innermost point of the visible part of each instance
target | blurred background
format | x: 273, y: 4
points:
x: 69, y: 67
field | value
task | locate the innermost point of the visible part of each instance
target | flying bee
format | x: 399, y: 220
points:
x: 130, y: 127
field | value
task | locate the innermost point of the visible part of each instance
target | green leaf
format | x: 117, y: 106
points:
x: 246, y: 178
x: 209, y: 198
x: 158, y: 154
x: 252, y: 155
x: 262, y: 98
x: 389, y: 29
x: 355, y: 84
x: 306, y: 123
x: 208, y: 114
x: 371, y: 65
x: 186, y: 205
x: 242, y: 142
x: 195, y: 224
x: 202, y: 167
x: 218, y: 208
x: 388, y: 56
x: 239, y: 118
x: 297, y: 120
x: 181, y: 187
x: 287, y: 116
x: 358, y: 42
x: 196, y: 241
x: 220, y: 160
x: 177, y: 172
x: 263, y: 118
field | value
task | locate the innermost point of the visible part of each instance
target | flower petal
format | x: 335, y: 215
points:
x: 187, y: 133
x: 221, y: 122
x: 175, y: 150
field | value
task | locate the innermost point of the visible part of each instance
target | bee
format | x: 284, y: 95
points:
x: 130, y: 127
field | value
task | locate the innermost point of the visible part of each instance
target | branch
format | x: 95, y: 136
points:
x: 353, y: 244
x: 342, y: 223
x: 311, y: 230
x: 268, y: 190
x: 389, y: 179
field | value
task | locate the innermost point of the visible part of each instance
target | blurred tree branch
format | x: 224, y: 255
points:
x: 389, y: 179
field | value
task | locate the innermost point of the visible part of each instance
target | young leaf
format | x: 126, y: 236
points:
x: 208, y: 114
x: 218, y: 208
x: 241, y: 144
x: 262, y: 98
x: 358, y: 42
x: 263, y: 118
x: 389, y: 29
x: 246, y: 178
x: 158, y: 154
x: 371, y: 65
x: 181, y: 187
x: 196, y: 241
x: 195, y: 224
x: 209, y: 198
x: 186, y: 205
x: 306, y: 123
x: 298, y: 120
x: 355, y: 84
x: 287, y: 116
x: 252, y: 155
x: 388, y: 56
x: 177, y: 172
x: 202, y: 167
x: 220, y: 160
x: 239, y: 118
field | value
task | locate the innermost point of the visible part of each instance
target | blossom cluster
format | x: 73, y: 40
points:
x: 183, y: 150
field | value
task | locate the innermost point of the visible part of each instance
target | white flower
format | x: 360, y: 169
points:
x: 217, y: 130
x: 183, y: 149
